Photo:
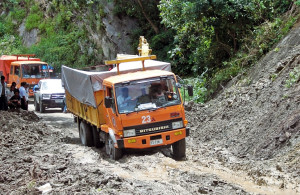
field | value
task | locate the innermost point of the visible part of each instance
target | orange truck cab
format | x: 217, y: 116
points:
x: 136, y: 105
x: 17, y: 68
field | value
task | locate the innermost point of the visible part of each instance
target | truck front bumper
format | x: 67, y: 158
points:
x: 153, y: 140
x: 57, y: 103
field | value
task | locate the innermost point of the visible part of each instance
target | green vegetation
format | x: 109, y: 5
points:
x: 207, y: 42
x: 294, y: 77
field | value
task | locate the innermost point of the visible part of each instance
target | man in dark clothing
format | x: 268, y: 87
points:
x: 15, y: 101
x: 3, y: 99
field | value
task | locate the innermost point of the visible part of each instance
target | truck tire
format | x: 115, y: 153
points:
x: 111, y: 151
x: 36, y: 106
x: 85, y: 134
x: 179, y: 149
x: 96, y: 137
x: 42, y: 107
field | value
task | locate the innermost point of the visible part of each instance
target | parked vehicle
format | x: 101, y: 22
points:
x: 135, y: 105
x: 23, y: 68
x: 49, y: 94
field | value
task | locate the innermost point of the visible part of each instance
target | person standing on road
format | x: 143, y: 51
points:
x: 22, y: 90
x: 27, y: 94
x: 3, y: 98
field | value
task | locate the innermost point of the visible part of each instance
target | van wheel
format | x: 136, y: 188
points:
x: 85, y: 134
x: 96, y: 137
x: 36, y: 105
x: 111, y: 151
x: 42, y: 107
x: 179, y: 149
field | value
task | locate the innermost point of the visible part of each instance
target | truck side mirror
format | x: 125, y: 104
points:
x: 190, y: 90
x: 178, y: 85
x: 36, y: 89
x: 108, y: 102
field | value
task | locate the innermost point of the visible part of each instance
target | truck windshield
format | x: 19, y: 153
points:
x: 147, y: 94
x: 34, y: 71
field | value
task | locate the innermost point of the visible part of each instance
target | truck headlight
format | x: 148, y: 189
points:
x: 129, y: 133
x: 46, y: 96
x: 177, y: 125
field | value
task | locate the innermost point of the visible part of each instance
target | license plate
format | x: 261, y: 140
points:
x: 156, y: 142
x: 59, y: 101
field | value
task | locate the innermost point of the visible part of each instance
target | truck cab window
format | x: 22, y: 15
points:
x: 11, y: 69
x: 147, y: 94
x: 17, y: 70
x: 33, y: 71
x: 110, y: 93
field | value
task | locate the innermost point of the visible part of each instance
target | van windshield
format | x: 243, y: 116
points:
x: 147, y: 94
x: 34, y: 71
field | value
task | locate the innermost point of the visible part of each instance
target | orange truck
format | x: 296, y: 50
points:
x: 23, y: 68
x: 135, y: 105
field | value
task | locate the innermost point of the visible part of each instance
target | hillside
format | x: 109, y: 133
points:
x: 257, y: 119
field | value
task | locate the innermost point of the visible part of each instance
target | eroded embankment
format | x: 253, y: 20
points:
x: 257, y: 119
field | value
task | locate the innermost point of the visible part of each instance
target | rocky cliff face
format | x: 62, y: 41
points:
x: 104, y: 37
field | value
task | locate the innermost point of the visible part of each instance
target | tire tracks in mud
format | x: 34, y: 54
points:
x: 160, y: 171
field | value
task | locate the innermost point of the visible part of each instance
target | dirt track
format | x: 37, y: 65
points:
x: 55, y: 155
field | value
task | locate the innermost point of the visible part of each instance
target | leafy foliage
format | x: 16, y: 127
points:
x: 223, y: 36
x: 294, y: 77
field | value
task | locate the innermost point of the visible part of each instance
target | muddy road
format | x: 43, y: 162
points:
x: 56, y: 157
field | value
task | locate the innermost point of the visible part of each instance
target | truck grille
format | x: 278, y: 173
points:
x: 153, y: 127
x: 57, y: 96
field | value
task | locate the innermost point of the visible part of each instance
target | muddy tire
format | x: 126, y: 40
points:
x: 178, y: 149
x: 111, y: 151
x: 42, y: 107
x: 36, y: 105
x: 96, y: 138
x: 85, y: 134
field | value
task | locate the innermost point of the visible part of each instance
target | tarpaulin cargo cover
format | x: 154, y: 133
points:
x: 82, y: 84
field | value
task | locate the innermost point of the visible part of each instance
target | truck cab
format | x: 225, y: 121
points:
x: 145, y: 109
x: 30, y: 72
x: 23, y: 68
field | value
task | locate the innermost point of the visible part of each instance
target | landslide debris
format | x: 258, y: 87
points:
x: 257, y: 119
x: 38, y: 156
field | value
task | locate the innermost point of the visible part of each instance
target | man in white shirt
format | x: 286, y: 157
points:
x: 22, y: 90
x: 3, y: 98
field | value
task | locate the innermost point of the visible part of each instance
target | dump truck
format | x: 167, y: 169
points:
x: 23, y: 68
x: 136, y: 105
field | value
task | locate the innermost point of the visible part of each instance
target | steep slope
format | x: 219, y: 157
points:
x: 257, y: 119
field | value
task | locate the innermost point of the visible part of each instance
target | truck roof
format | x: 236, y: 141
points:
x: 27, y: 62
x: 9, y: 57
x: 136, y: 76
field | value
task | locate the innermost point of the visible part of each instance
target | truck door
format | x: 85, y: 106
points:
x: 15, y: 75
x: 111, y: 113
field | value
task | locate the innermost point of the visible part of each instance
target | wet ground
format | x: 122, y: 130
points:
x: 49, y: 151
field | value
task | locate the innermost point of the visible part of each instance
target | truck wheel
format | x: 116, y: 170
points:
x: 111, y: 151
x: 179, y: 149
x: 96, y: 137
x: 42, y: 107
x: 36, y: 106
x: 85, y: 134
